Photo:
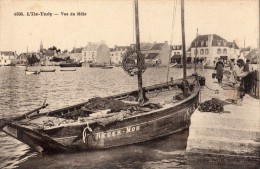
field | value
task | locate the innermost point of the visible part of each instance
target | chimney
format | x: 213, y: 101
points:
x: 166, y: 42
x: 115, y: 46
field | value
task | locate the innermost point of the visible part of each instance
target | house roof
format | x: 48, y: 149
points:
x: 216, y: 39
x: 252, y: 55
x: 119, y: 48
x: 177, y: 47
x: 76, y: 50
x: 146, y: 46
x: 7, y: 53
x: 48, y: 52
x: 63, y: 55
x: 157, y: 46
x: 245, y: 49
x: 92, y: 46
x: 230, y: 45
x: 151, y: 56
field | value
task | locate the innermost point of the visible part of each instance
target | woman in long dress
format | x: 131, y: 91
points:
x: 220, y: 69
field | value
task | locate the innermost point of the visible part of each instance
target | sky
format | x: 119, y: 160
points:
x: 112, y: 21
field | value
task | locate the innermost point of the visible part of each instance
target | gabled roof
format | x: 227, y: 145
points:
x: 151, y: 56
x: 252, y: 55
x: 157, y: 46
x: 92, y: 46
x: 77, y: 50
x: 245, y: 49
x: 230, y: 45
x: 146, y: 46
x: 119, y: 48
x: 63, y: 55
x: 7, y: 53
x: 47, y: 52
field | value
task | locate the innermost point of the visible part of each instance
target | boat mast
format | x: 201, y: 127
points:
x: 139, y: 76
x: 196, y: 53
x: 183, y: 41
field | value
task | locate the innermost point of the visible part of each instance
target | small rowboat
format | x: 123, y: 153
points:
x: 47, y: 70
x: 68, y: 70
x: 27, y: 72
x: 107, y: 67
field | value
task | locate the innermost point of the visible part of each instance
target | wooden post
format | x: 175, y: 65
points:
x: 183, y: 41
x: 139, y: 76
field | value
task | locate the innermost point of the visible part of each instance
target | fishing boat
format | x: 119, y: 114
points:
x: 67, y: 69
x: 132, y: 117
x: 72, y: 64
x: 47, y: 70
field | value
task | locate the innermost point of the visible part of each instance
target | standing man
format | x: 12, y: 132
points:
x: 247, y: 80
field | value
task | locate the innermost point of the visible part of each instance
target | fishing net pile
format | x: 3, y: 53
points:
x: 98, y: 103
x: 213, y: 105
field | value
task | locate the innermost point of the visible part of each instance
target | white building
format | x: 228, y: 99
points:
x: 7, y: 58
x: 96, y: 53
x: 116, y: 53
x: 211, y: 47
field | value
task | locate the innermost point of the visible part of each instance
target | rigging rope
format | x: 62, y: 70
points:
x: 173, y: 25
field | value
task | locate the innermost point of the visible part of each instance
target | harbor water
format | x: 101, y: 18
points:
x: 20, y: 93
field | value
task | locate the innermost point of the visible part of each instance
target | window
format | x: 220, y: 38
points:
x: 207, y: 43
x: 206, y: 51
x: 195, y: 52
x: 225, y: 44
x: 219, y: 51
x: 202, y: 51
x: 225, y: 51
x: 219, y: 43
x: 85, y: 54
x: 202, y: 43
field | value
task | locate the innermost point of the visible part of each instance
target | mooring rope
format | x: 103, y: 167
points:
x: 216, y: 91
x: 84, y: 133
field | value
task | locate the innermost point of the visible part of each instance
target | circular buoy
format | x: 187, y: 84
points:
x: 133, y: 62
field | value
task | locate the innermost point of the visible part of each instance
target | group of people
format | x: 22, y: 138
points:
x: 240, y: 77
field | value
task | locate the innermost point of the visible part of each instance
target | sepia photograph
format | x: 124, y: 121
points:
x: 129, y: 84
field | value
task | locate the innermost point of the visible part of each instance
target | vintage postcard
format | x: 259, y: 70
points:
x: 129, y: 84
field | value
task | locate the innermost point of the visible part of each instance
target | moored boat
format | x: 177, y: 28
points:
x: 67, y: 69
x: 47, y: 70
x: 107, y: 67
x: 73, y: 64
x: 27, y: 72
x: 95, y: 65
x: 127, y: 118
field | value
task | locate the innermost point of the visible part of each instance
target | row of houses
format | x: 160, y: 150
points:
x: 209, y: 47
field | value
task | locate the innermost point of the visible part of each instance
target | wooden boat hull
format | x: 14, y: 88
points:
x: 68, y: 70
x: 32, y: 72
x: 132, y: 130
x: 71, y: 65
x: 91, y: 135
x: 107, y: 67
x: 51, y: 70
